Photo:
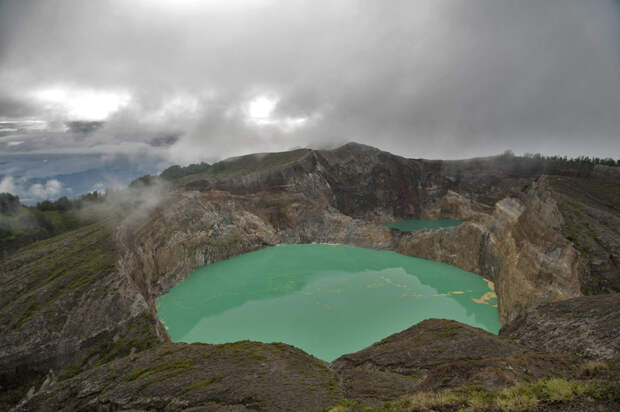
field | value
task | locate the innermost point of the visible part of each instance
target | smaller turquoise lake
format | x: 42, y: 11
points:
x: 411, y: 225
x: 325, y: 299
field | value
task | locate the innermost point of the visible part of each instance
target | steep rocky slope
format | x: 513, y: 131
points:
x: 240, y: 376
x: 519, y: 246
x: 438, y: 354
x: 433, y: 355
x: 591, y: 211
x: 587, y: 326
x: 64, y: 306
x: 80, y: 300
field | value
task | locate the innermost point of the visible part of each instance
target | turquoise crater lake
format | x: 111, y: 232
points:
x: 411, y: 225
x: 325, y: 299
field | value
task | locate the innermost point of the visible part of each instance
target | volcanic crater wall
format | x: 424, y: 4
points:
x: 84, y: 298
x: 345, y: 196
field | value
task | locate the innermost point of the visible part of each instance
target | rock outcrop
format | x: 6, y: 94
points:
x: 434, y: 354
x: 587, y: 326
x: 240, y: 376
x: 439, y: 354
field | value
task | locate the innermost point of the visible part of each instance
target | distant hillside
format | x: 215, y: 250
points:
x: 508, y: 164
x: 21, y: 225
x: 235, y: 165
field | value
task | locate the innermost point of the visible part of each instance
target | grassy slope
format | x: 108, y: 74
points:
x: 43, y: 282
x: 29, y: 225
x: 246, y: 164
x: 47, y: 270
x: 234, y: 376
x: 586, y: 393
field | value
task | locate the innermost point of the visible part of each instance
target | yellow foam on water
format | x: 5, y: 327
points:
x: 413, y: 295
x: 327, y: 243
x: 486, y: 298
x: 454, y: 292
x: 490, y: 284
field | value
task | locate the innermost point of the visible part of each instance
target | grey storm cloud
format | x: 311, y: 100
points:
x: 428, y: 78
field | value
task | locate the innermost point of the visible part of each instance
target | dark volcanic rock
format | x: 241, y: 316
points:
x: 588, y: 326
x: 591, y: 210
x: 431, y: 343
x: 438, y: 354
x: 240, y: 376
x: 432, y: 355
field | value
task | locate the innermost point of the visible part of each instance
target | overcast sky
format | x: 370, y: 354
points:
x: 190, y: 80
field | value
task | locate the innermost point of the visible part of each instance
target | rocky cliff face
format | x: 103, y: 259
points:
x: 198, y: 228
x: 99, y: 290
x: 519, y: 246
x: 518, y: 241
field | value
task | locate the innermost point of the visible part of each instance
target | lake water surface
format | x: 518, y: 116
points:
x: 412, y: 225
x: 325, y: 299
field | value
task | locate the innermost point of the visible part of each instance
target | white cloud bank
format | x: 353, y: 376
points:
x: 35, y: 192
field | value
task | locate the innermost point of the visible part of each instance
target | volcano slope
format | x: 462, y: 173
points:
x: 78, y: 310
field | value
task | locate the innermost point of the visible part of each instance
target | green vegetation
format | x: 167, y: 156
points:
x: 606, y: 161
x: 242, y: 164
x: 519, y: 397
x: 595, y: 369
x: 21, y: 225
x: 245, y: 349
x: 58, y: 268
x: 144, y: 181
x: 201, y: 384
x: 9, y: 204
x: 69, y: 371
x: 255, y: 162
x: 43, y: 280
x: 173, y: 366
x: 139, y: 337
x: 175, y: 172
x: 28, y: 314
